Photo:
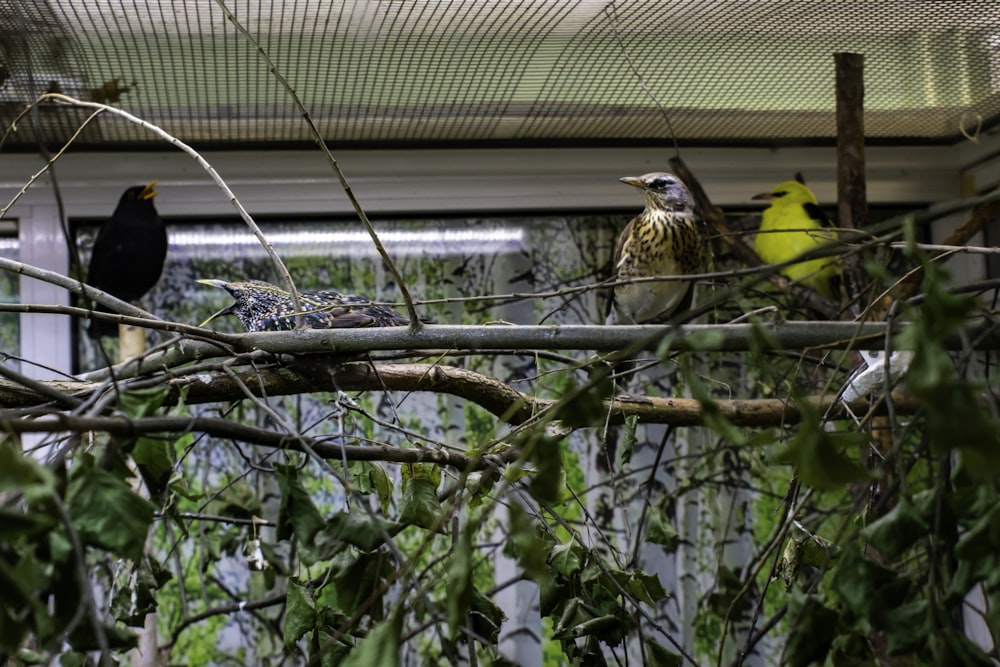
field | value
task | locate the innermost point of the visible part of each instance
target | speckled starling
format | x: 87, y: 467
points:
x: 663, y: 240
x: 128, y: 253
x: 262, y: 306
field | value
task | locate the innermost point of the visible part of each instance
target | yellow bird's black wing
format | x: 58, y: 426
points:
x: 816, y: 213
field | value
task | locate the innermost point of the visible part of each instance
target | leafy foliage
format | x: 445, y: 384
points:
x: 783, y: 535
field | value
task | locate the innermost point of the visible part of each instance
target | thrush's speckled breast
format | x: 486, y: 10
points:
x: 261, y: 306
x: 663, y: 240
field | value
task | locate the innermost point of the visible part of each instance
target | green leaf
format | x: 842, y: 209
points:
x: 355, y: 580
x: 380, y: 648
x: 419, y: 505
x: 948, y: 647
x: 549, y: 479
x: 73, y: 659
x: 955, y: 417
x: 713, y: 418
x: 84, y: 639
x: 237, y: 499
x: 300, y: 614
x: 812, y: 632
x: 815, y: 453
x: 15, y: 524
x: 609, y: 628
x: 138, y: 403
x: 628, y: 439
x: 982, y: 538
x: 22, y: 473
x: 567, y: 559
x: 370, y: 477
x: 585, y: 407
x: 296, y: 514
x: 646, y: 587
x: 660, y: 656
x: 155, y: 459
x: 459, y: 598
x: 866, y: 588
x: 525, y: 544
x: 331, y: 652
x: 660, y: 529
x: 907, y: 628
x: 897, y: 531
x: 360, y: 530
x: 107, y: 513
x: 487, y: 617
x: 20, y: 608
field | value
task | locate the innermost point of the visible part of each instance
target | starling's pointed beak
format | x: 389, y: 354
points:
x: 633, y: 181
x: 766, y: 196
x: 228, y: 310
x: 149, y: 191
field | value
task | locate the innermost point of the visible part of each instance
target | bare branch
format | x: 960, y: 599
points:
x: 504, y: 402
x: 513, y: 339
x: 222, y: 428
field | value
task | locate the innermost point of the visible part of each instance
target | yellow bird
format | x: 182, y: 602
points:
x: 794, y: 224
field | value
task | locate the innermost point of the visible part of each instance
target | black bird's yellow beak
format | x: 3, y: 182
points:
x: 766, y: 196
x: 149, y: 191
x: 633, y: 181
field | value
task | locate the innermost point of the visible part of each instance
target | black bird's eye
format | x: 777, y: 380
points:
x: 662, y: 183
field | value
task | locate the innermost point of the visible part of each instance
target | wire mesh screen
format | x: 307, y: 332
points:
x: 529, y: 72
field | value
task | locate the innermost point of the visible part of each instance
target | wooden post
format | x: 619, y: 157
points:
x: 852, y: 195
x: 131, y: 342
x: 852, y: 192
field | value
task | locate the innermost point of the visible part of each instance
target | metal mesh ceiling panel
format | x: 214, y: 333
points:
x: 528, y: 72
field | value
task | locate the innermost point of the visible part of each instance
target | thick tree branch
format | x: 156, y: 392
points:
x: 506, y: 403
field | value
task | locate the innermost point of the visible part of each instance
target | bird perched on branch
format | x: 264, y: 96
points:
x: 261, y: 306
x: 794, y: 224
x: 663, y: 240
x: 129, y: 252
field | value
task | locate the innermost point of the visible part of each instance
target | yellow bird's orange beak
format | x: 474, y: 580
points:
x: 766, y: 196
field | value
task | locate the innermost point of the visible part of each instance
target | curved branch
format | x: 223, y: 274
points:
x: 501, y: 400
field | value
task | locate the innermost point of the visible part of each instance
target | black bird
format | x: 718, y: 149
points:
x: 265, y: 307
x: 129, y: 252
x: 663, y: 240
